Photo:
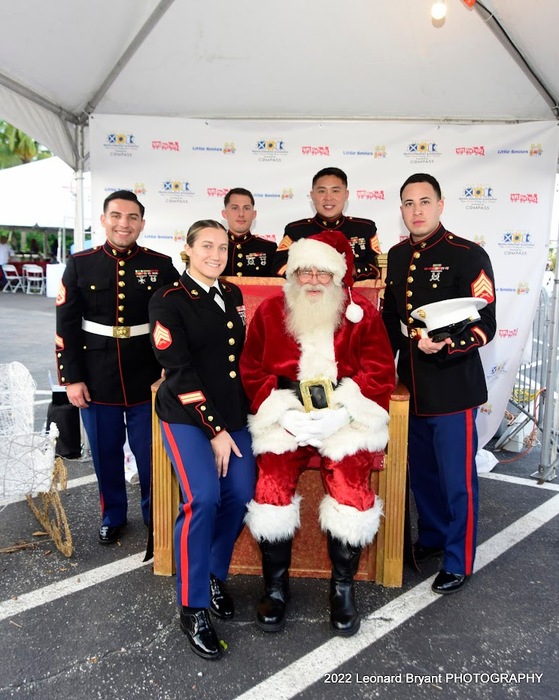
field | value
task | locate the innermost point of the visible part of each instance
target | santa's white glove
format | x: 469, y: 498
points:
x: 328, y: 421
x: 302, y: 427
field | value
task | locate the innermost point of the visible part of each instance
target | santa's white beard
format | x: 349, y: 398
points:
x: 310, y: 313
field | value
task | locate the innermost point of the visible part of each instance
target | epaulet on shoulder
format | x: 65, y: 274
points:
x: 155, y: 252
x: 300, y: 222
x: 87, y: 251
x: 174, y: 287
x: 358, y: 220
x: 227, y: 286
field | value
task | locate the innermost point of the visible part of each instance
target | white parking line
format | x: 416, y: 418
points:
x: 72, y: 484
x: 313, y: 667
x: 41, y: 596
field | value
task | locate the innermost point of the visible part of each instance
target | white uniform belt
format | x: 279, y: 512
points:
x: 415, y: 333
x: 115, y: 331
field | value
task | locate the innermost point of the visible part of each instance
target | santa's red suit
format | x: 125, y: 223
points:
x: 316, y: 334
x: 359, y: 362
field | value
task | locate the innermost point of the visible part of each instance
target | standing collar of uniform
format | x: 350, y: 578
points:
x: 116, y: 253
x: 239, y: 239
x: 324, y: 223
x: 202, y: 285
x: 431, y: 239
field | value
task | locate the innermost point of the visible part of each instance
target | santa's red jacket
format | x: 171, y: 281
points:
x: 357, y: 358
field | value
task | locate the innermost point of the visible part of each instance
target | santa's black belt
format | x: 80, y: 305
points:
x: 312, y: 393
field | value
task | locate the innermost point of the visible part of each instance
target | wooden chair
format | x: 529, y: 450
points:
x: 381, y: 561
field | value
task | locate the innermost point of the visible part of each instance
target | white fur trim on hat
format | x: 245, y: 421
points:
x: 273, y: 523
x: 354, y: 312
x: 349, y: 525
x: 367, y: 429
x: 306, y: 253
x: 265, y: 429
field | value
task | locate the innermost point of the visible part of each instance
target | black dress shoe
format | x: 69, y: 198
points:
x: 109, y: 534
x: 196, y: 624
x: 422, y: 554
x: 446, y: 582
x: 221, y: 603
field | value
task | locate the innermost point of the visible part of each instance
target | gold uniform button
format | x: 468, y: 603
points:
x: 149, y: 288
x: 435, y: 285
x: 122, y: 283
x: 412, y: 267
x: 416, y: 255
x: 122, y: 272
x: 240, y: 255
x: 120, y: 319
x: 229, y: 324
x: 59, y: 354
x: 121, y: 263
x: 194, y: 292
x: 409, y: 293
x: 61, y: 367
x: 450, y: 237
x: 62, y: 379
x: 210, y: 418
x: 121, y: 308
x: 217, y: 428
x: 238, y: 245
x: 175, y: 284
x: 232, y: 374
x: 202, y: 408
x: 92, y: 287
x: 231, y: 341
x: 114, y: 251
x: 462, y: 342
x: 471, y: 339
x: 239, y: 264
x: 231, y: 358
x: 410, y: 280
x: 410, y: 320
x: 453, y: 345
x: 239, y: 274
x: 121, y: 296
x: 409, y: 307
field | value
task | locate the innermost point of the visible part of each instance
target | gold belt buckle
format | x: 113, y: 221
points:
x: 121, y: 332
x: 307, y: 384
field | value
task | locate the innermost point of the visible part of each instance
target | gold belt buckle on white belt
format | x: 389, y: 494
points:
x: 322, y: 383
x: 121, y: 331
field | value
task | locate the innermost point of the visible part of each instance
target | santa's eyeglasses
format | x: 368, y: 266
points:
x: 306, y: 275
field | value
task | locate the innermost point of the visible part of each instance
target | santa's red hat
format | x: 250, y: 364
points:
x: 329, y: 251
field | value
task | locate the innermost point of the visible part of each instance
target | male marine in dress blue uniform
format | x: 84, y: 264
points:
x: 248, y: 255
x: 104, y: 354
x: 445, y: 379
x: 329, y: 195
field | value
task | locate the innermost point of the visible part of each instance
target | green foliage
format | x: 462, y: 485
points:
x: 17, y: 148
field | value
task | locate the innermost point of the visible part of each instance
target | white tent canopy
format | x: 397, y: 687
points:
x: 369, y: 59
x: 41, y: 193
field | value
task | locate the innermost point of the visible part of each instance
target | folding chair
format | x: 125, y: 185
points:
x: 14, y: 280
x: 34, y: 279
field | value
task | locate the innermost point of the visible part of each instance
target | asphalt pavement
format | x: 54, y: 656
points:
x: 100, y: 625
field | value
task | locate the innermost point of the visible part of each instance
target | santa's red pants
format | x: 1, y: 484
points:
x: 347, y: 481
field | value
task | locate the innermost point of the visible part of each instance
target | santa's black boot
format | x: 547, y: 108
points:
x: 276, y: 560
x: 344, y: 616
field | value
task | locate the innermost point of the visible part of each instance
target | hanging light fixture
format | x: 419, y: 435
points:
x: 438, y: 10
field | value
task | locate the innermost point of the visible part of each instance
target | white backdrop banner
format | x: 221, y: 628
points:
x: 498, y: 182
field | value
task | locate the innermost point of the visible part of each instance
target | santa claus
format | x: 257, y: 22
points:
x: 319, y: 371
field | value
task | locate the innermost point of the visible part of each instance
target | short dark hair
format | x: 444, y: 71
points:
x: 335, y: 172
x: 124, y: 194
x: 238, y: 190
x: 422, y: 177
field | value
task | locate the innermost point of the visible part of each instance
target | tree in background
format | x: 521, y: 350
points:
x: 17, y: 148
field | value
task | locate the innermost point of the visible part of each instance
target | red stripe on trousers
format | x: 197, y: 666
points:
x: 187, y: 509
x: 469, y: 539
